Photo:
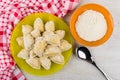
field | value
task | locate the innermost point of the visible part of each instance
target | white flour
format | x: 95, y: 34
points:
x: 91, y: 25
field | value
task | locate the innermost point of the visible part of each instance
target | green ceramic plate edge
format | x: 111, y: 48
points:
x: 59, y: 24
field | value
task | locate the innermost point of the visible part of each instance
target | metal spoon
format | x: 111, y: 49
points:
x: 84, y: 53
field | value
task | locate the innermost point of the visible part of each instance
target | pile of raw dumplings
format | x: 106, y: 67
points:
x: 42, y: 44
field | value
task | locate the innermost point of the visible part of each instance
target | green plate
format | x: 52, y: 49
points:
x: 15, y: 48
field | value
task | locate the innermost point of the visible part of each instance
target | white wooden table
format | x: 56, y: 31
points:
x: 107, y: 56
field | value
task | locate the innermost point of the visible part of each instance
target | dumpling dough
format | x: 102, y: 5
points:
x: 38, y: 39
x: 26, y: 29
x: 64, y: 45
x: 60, y: 33
x: 47, y: 33
x: 39, y: 47
x: 38, y: 24
x: 35, y: 33
x: 34, y: 63
x: 28, y: 41
x: 59, y: 59
x: 20, y: 41
x: 24, y: 54
x: 45, y: 62
x: 32, y: 54
x: 52, y: 50
x: 49, y: 26
x: 52, y: 39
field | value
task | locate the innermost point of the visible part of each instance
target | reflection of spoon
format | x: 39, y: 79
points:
x: 84, y: 54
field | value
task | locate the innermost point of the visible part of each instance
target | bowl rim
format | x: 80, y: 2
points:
x: 98, y: 8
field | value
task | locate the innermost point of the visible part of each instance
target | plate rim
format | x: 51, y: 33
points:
x: 12, y: 51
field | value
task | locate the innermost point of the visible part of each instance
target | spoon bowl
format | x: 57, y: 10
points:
x: 84, y: 53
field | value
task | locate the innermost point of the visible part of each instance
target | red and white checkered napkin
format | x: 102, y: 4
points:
x: 12, y: 11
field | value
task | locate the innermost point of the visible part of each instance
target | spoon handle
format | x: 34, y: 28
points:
x: 104, y: 74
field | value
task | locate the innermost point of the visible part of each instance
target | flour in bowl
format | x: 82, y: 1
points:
x: 91, y: 25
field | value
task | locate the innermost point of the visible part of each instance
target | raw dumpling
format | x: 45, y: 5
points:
x: 38, y: 39
x: 49, y: 26
x: 52, y: 50
x: 24, y: 54
x: 39, y: 47
x: 52, y: 39
x: 20, y: 41
x: 26, y: 29
x: 45, y: 62
x: 64, y: 45
x: 28, y: 41
x: 60, y: 33
x: 35, y: 33
x: 34, y: 63
x: 32, y: 54
x: 47, y: 33
x: 59, y: 59
x: 38, y: 24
